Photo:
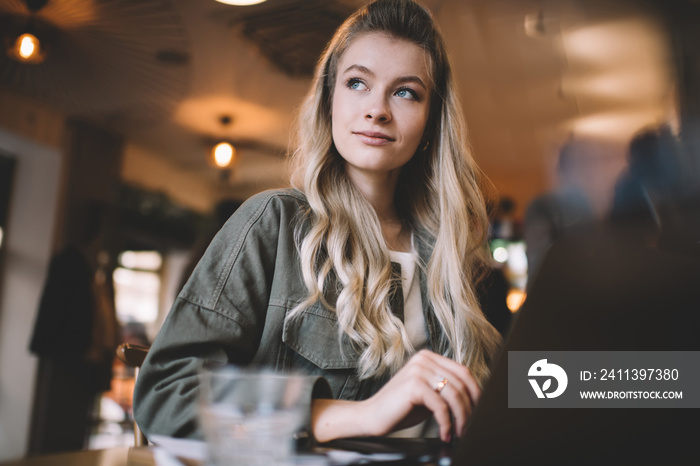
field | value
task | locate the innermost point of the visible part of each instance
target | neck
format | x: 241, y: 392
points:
x: 380, y: 190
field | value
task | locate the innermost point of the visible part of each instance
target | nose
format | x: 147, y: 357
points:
x: 378, y: 111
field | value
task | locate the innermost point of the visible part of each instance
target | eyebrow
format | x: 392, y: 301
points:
x: 401, y: 79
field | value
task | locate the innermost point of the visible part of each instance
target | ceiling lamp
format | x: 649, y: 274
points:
x: 23, y: 42
x: 241, y: 2
x: 223, y: 154
x: 27, y: 48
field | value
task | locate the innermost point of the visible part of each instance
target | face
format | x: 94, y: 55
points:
x: 381, y: 103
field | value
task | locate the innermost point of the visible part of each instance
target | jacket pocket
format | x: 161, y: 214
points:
x: 313, y: 334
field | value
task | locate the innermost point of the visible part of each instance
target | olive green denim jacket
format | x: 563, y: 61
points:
x: 232, y: 311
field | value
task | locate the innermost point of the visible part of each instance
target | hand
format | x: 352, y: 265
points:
x: 412, y: 394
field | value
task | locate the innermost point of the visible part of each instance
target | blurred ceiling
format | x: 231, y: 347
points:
x: 531, y: 73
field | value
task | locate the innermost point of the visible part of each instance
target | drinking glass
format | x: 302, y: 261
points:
x: 249, y: 418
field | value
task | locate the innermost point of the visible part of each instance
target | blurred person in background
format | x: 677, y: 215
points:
x: 504, y: 225
x: 75, y: 337
x: 646, y: 192
x: 556, y: 213
x: 656, y: 199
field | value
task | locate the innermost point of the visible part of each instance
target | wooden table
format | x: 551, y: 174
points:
x: 121, y: 456
x: 143, y: 456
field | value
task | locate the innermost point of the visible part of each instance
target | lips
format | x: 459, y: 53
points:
x: 373, y: 138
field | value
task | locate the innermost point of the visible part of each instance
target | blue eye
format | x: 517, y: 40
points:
x: 356, y: 84
x: 406, y: 93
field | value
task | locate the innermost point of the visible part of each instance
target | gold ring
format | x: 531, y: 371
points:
x: 440, y: 385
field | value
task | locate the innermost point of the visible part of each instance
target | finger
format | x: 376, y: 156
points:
x: 472, y: 386
x: 462, y: 379
x: 457, y: 398
x: 455, y: 371
x: 459, y: 404
x: 441, y: 412
x: 461, y: 391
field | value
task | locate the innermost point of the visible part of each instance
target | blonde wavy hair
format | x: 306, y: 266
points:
x: 342, y: 249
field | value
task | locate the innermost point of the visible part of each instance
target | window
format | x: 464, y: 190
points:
x: 137, y: 286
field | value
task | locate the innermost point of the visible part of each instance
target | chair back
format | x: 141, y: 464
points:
x: 133, y: 356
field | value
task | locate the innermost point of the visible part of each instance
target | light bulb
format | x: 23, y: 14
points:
x: 223, y: 154
x: 27, y: 45
x: 27, y: 49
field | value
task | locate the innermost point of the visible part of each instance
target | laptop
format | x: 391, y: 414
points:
x: 598, y: 291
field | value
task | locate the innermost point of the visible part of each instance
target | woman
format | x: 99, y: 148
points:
x: 363, y: 274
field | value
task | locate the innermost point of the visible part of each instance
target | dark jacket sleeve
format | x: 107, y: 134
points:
x: 217, y: 319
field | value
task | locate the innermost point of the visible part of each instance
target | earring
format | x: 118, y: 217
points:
x: 425, y: 146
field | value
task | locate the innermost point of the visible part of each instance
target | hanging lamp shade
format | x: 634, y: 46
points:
x: 122, y: 63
